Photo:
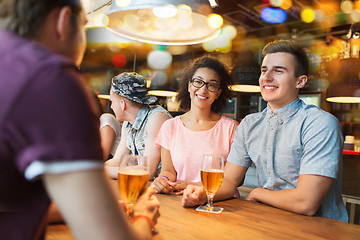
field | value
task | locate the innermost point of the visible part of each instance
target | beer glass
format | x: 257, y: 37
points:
x: 212, y: 174
x: 133, y: 178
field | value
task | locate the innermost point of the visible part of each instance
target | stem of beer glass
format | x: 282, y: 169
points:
x: 129, y: 209
x: 210, y: 199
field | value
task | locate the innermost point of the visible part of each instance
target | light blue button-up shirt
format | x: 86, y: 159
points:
x: 295, y: 139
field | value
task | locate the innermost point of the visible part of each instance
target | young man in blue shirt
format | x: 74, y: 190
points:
x: 296, y: 148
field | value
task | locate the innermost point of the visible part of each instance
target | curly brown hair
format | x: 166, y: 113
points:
x: 226, y: 80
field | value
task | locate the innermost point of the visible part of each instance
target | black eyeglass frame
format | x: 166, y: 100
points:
x: 205, y: 83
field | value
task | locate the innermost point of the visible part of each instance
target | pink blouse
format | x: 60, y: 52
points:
x: 187, y: 147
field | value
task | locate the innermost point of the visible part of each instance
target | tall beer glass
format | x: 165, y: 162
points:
x: 212, y: 174
x: 133, y: 178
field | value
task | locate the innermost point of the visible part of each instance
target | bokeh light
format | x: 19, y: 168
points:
x: 230, y: 31
x: 215, y: 20
x: 166, y: 11
x: 319, y: 15
x: 209, y: 46
x: 122, y: 3
x: 119, y: 60
x: 177, y: 49
x: 184, y: 9
x: 131, y: 20
x: 276, y: 3
x: 273, y: 15
x: 355, y: 15
x: 307, y: 15
x: 347, y: 6
x: 286, y: 4
x: 314, y: 62
x: 357, y: 4
x: 159, y: 60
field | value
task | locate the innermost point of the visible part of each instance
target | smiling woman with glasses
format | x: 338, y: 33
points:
x: 202, y: 130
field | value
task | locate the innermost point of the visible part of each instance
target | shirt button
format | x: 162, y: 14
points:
x: 269, y: 150
x: 271, y: 128
x: 269, y: 173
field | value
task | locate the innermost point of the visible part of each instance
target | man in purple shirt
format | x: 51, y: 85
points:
x: 49, y: 141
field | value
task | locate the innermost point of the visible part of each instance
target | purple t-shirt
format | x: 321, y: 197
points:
x: 45, y: 114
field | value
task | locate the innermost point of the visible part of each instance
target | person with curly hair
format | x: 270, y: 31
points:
x: 201, y: 130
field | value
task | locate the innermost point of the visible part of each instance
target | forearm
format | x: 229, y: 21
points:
x: 305, y: 199
x: 153, y: 164
x: 226, y: 190
x: 287, y: 199
x: 143, y: 228
x: 169, y: 174
x: 89, y: 191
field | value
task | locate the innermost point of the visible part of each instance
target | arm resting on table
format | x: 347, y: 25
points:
x: 305, y: 199
x: 89, y: 207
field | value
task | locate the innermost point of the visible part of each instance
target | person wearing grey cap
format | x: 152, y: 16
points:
x: 130, y: 103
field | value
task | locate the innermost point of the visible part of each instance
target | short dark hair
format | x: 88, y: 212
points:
x: 289, y: 46
x: 26, y: 17
x: 210, y: 62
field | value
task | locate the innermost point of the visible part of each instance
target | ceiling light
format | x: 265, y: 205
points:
x: 165, y: 30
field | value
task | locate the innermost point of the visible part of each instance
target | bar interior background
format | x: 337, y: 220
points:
x: 126, y: 35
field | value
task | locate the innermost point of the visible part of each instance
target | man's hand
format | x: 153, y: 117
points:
x: 252, y: 195
x: 148, y: 205
x: 193, y: 196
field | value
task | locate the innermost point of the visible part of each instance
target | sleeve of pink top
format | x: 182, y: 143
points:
x: 233, y: 130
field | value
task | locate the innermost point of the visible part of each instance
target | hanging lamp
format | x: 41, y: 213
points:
x: 166, y: 22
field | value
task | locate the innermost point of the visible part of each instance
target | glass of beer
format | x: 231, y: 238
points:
x: 133, y: 178
x: 212, y: 174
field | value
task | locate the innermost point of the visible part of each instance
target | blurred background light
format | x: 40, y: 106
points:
x: 307, y: 15
x: 159, y: 60
x: 273, y: 15
x: 215, y: 20
x: 166, y: 11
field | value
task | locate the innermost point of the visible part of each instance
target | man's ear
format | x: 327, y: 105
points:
x: 301, y: 81
x: 63, y: 23
x: 122, y: 104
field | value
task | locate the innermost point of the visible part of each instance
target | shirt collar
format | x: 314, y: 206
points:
x: 284, y: 112
x: 140, y: 118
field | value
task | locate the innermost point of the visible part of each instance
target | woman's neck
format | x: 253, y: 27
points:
x: 197, y: 114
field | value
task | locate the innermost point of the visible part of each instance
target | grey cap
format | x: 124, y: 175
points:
x: 132, y: 85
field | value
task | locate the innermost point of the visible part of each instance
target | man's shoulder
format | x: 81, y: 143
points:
x: 254, y: 116
x: 315, y: 114
x: 27, y: 55
x: 158, y: 112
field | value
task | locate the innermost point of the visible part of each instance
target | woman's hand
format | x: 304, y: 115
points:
x: 162, y: 185
x: 179, y: 187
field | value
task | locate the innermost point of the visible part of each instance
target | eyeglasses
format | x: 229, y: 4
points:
x: 198, y: 83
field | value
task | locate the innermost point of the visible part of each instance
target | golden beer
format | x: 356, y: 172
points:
x: 211, y: 179
x: 132, y: 183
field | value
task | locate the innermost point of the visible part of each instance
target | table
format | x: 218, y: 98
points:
x: 240, y: 219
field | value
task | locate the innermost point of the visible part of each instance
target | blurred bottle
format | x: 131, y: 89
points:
x: 349, y: 143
